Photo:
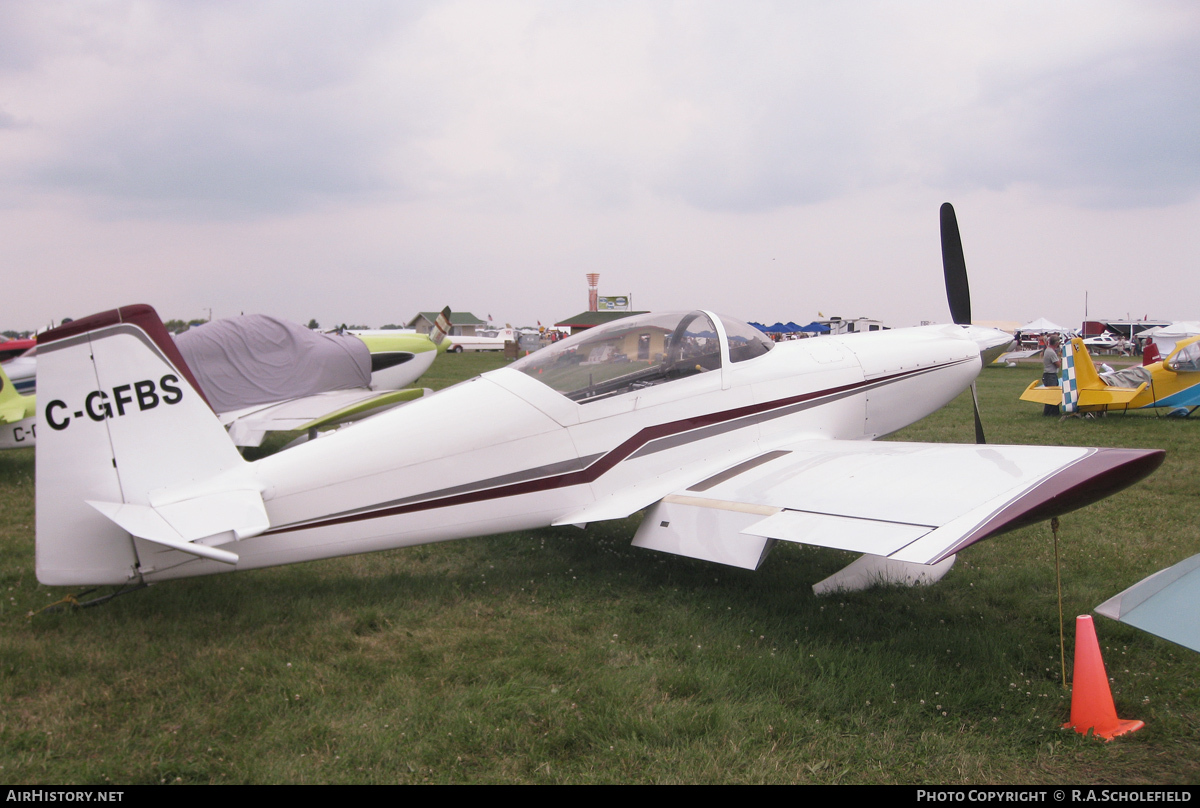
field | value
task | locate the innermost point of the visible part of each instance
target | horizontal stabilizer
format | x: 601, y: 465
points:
x: 194, y: 525
x: 145, y: 523
x: 1089, y: 398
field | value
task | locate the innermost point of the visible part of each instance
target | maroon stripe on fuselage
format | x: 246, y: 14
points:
x: 608, y: 460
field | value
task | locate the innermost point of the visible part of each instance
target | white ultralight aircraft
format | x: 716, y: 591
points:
x: 732, y: 442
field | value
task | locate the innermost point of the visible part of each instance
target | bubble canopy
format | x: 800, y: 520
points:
x: 642, y: 351
x: 1185, y: 360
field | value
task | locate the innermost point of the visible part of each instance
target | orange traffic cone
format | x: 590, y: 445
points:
x: 1091, y: 699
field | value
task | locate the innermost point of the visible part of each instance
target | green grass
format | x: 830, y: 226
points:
x: 451, y: 368
x: 566, y: 656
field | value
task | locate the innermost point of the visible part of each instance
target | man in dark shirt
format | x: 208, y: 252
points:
x: 1050, y: 366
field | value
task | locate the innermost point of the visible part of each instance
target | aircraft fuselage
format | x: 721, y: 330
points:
x: 505, y: 452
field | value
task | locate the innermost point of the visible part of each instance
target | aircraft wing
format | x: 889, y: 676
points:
x: 1166, y: 604
x: 13, y: 411
x: 14, y: 407
x: 1015, y: 356
x: 916, y: 503
x: 248, y: 427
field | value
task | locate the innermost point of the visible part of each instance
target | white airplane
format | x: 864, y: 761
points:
x: 1009, y: 359
x: 732, y: 442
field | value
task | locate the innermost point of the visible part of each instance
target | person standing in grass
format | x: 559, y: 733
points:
x: 1050, y: 366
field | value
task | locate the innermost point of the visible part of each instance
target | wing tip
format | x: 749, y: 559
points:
x: 1101, y: 473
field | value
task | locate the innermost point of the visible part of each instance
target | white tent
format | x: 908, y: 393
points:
x: 1043, y: 326
x: 1165, y: 336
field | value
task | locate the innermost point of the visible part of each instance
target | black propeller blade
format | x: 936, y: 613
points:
x: 978, y: 423
x: 958, y: 292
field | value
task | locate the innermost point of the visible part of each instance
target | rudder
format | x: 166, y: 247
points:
x: 121, y: 418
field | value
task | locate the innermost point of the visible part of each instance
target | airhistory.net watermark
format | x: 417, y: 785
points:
x: 63, y: 795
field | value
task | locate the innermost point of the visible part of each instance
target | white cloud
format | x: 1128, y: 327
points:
x: 497, y: 151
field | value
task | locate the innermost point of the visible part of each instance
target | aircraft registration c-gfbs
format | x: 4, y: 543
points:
x: 96, y: 404
x: 730, y: 442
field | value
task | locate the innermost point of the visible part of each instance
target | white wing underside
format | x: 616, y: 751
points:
x: 909, y: 502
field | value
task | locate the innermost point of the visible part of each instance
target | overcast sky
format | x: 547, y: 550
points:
x: 358, y: 162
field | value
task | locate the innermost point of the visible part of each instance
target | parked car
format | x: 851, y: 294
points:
x: 488, y: 339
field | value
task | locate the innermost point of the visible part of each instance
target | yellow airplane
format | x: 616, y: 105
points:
x: 17, y: 416
x: 1173, y: 382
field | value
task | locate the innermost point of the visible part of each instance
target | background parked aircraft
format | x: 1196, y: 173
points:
x: 1171, y: 382
x: 17, y: 416
x: 262, y: 374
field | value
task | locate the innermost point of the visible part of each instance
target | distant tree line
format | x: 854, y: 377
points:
x: 179, y: 326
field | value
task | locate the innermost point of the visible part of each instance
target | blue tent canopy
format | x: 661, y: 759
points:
x: 792, y: 328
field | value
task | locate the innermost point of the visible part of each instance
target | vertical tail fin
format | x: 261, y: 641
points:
x: 1078, y: 371
x: 121, y: 418
x: 1150, y: 354
x: 1085, y: 370
x: 441, y: 327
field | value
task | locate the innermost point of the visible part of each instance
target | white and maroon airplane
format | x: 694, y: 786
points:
x: 730, y: 441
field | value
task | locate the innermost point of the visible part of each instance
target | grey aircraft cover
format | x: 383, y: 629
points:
x: 258, y: 359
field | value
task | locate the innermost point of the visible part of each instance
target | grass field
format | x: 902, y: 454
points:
x: 566, y: 656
